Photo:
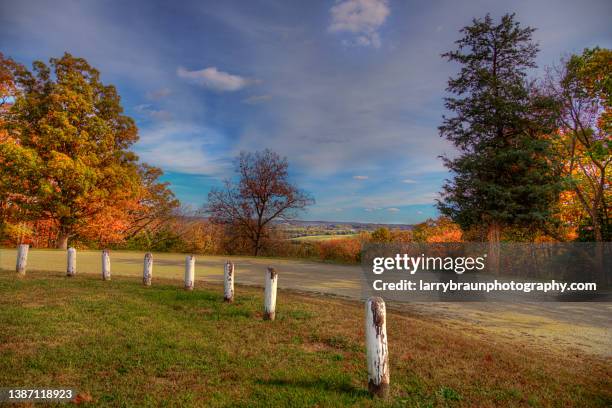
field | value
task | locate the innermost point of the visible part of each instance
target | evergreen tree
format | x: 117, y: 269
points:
x: 503, y: 175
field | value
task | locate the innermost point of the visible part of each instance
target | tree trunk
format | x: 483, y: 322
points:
x: 62, y: 240
x: 494, y: 237
x: 256, y: 244
x: 597, y: 229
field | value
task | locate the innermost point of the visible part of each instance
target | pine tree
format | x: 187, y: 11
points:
x: 503, y: 175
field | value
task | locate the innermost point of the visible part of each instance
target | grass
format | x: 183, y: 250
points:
x: 121, y: 344
x: 310, y: 238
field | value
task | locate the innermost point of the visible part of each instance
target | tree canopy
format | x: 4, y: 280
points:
x: 66, y: 152
x: 499, y: 124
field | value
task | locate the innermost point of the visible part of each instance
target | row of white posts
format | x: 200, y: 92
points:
x: 375, y: 311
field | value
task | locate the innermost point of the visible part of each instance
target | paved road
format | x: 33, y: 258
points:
x: 585, y: 326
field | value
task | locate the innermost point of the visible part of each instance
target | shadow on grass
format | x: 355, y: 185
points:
x: 317, y: 384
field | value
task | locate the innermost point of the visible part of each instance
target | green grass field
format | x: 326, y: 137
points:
x: 311, y: 238
x: 121, y: 344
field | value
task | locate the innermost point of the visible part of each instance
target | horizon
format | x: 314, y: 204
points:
x: 205, y: 81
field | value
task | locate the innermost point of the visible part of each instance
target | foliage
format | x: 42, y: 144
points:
x: 503, y: 176
x: 65, y: 156
x: 442, y: 229
x: 583, y: 87
x: 381, y: 235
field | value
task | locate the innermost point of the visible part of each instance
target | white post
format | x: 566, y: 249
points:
x: 106, y: 270
x: 228, y: 275
x: 189, y: 272
x: 270, y: 294
x: 71, y: 262
x: 376, y: 344
x: 22, y: 259
x: 147, y: 272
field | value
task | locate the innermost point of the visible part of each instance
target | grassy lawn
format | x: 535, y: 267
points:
x: 121, y: 344
x: 323, y: 237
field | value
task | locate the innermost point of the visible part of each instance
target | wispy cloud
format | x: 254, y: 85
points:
x: 360, y: 177
x: 214, y: 79
x: 255, y: 99
x: 408, y: 181
x: 148, y: 111
x: 183, y: 147
x: 393, y: 209
x: 362, y: 18
x: 158, y: 94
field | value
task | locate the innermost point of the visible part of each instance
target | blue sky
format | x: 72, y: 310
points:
x: 350, y: 91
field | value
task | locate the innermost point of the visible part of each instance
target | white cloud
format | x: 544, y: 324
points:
x: 393, y: 209
x: 360, y: 177
x: 408, y: 181
x: 214, y: 79
x: 360, y: 17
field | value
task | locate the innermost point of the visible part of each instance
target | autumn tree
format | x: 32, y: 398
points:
x: 502, y: 175
x: 441, y: 229
x: 262, y: 194
x: 67, y: 156
x: 155, y: 204
x: 8, y: 90
x: 583, y: 86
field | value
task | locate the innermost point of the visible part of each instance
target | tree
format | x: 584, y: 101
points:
x: 263, y: 194
x: 67, y: 156
x: 442, y: 229
x: 155, y: 204
x: 502, y: 175
x: 381, y: 235
x: 583, y: 86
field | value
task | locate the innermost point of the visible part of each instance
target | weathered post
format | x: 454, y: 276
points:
x: 376, y: 344
x: 189, y: 272
x: 71, y: 262
x: 106, y: 270
x: 22, y: 259
x: 270, y: 294
x: 147, y: 272
x: 228, y: 275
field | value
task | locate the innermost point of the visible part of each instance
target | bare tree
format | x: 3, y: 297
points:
x: 262, y: 195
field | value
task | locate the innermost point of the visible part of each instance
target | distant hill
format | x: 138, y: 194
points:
x: 332, y: 225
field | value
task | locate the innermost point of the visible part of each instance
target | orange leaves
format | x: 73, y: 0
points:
x: 343, y: 249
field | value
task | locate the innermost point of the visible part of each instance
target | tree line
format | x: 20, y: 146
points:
x: 533, y: 161
x: 68, y: 173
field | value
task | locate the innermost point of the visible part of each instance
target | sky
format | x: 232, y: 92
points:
x: 350, y: 91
